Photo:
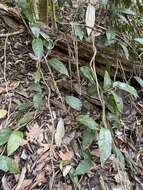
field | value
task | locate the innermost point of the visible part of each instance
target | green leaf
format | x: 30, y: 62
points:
x: 125, y: 50
x: 83, y: 167
x: 114, y: 120
x: 47, y: 42
x: 25, y: 120
x: 105, y: 144
x: 24, y: 106
x: 86, y: 72
x: 126, y: 87
x: 58, y: 66
x: 35, y: 29
x: 36, y: 76
x: 120, y: 160
x: 37, y: 46
x: 87, y: 121
x: 4, y: 135
x: 104, y: 2
x: 107, y: 81
x: 92, y: 90
x: 128, y: 12
x: 139, y: 40
x: 74, y: 102
x: 88, y: 138
x: 37, y: 88
x: 37, y: 100
x: 110, y: 34
x: 78, y: 30
x: 7, y: 164
x: 14, y: 167
x: 26, y: 9
x: 73, y: 177
x: 14, y: 141
x: 139, y: 80
x: 118, y: 101
x: 111, y: 104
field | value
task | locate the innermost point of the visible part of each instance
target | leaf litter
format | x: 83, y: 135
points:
x: 40, y: 155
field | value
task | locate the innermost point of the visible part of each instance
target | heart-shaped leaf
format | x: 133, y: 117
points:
x: 14, y: 141
x: 105, y: 144
x: 58, y: 66
x: 74, y: 102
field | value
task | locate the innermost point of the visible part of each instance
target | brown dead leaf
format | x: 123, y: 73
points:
x: 60, y: 132
x: 40, y: 178
x: 26, y: 183
x: 66, y: 156
x: 34, y: 132
x: 10, y: 86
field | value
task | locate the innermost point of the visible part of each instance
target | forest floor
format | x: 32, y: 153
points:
x: 43, y: 164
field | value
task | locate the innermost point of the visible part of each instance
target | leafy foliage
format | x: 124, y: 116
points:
x: 87, y: 121
x: 58, y: 66
x: 105, y: 144
x: 74, y: 102
x: 14, y: 141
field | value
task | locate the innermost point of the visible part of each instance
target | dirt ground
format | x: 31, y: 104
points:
x: 39, y: 158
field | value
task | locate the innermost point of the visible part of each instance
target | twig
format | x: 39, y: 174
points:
x: 12, y: 33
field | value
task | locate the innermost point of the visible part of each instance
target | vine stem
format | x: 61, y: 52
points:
x: 100, y: 94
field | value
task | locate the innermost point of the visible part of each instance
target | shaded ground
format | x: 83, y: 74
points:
x: 39, y: 158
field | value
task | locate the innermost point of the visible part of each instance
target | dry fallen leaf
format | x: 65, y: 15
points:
x: 90, y: 18
x: 60, y: 132
x: 41, y: 177
x: 2, y: 113
x: 34, y: 132
x: 66, y: 156
x: 26, y: 183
